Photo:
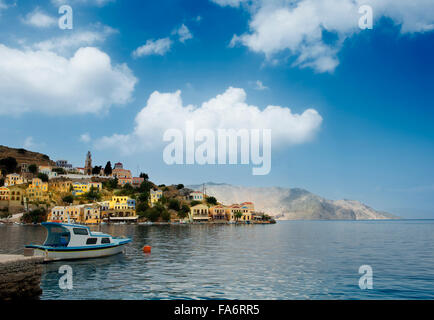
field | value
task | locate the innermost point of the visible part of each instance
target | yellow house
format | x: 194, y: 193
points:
x: 60, y: 214
x: 122, y: 203
x: 155, y: 196
x: 120, y: 208
x: 80, y: 188
x: 218, y: 213
x: 91, y: 214
x: 62, y: 186
x: 84, y: 214
x: 199, y: 212
x: 37, y: 190
x: 246, y: 210
x: 13, y: 179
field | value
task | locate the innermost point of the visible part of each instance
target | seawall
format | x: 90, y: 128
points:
x: 20, y: 277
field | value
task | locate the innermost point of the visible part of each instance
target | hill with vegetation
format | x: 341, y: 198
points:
x: 25, y: 156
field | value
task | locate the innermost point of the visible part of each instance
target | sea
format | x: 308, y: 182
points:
x: 383, y: 259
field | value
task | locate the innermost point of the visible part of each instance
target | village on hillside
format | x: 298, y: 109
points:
x: 59, y: 192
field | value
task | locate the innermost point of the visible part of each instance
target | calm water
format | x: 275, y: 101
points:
x: 288, y: 260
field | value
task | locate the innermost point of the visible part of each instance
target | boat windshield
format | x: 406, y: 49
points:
x: 58, y: 236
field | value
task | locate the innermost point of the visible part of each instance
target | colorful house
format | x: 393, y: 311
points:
x: 244, y: 209
x: 4, y: 194
x: 122, y: 202
x: 37, y: 190
x: 80, y: 188
x: 61, y: 214
x: 84, y: 214
x: 121, y: 173
x: 62, y: 186
x: 218, y: 213
x: 91, y: 214
x: 155, y: 196
x: 13, y: 179
x: 196, y: 196
x: 137, y: 181
x: 199, y: 213
x: 121, y: 208
x: 124, y: 181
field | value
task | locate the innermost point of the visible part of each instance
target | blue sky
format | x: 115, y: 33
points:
x: 373, y: 89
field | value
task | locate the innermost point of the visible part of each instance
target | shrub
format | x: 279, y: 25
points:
x: 35, y: 216
x: 43, y: 177
x: 174, y: 204
x: 211, y: 200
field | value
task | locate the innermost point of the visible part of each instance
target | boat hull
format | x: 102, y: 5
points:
x: 69, y: 254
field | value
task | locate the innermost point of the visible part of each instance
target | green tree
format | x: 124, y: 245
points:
x: 237, y: 215
x: 110, y: 184
x: 152, y: 214
x: 108, y: 169
x: 35, y: 216
x: 211, y: 200
x: 142, y: 207
x: 145, y: 187
x: 96, y: 170
x: 195, y: 203
x: 43, y: 177
x: 185, y: 210
x: 180, y: 186
x: 68, y: 198
x: 58, y: 170
x: 9, y: 164
x: 143, y: 197
x: 144, y: 176
x: 33, y: 168
x: 93, y: 194
x: 174, y: 204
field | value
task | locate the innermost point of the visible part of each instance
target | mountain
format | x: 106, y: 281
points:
x: 293, y: 203
x: 25, y: 156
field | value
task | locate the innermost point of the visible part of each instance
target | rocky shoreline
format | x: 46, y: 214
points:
x: 20, y: 277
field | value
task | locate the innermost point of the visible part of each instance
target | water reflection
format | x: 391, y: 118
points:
x: 289, y: 260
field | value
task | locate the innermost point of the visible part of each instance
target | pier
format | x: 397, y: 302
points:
x: 20, y: 277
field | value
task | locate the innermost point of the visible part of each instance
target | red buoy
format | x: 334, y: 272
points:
x: 147, y: 249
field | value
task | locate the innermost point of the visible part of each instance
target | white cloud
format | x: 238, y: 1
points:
x: 260, y: 86
x: 159, y: 47
x: 76, y: 39
x: 297, y: 27
x: 43, y: 81
x: 166, y: 111
x: 85, y: 137
x: 3, y: 5
x: 183, y: 33
x: 229, y: 3
x: 38, y: 18
x: 29, y: 143
x: 98, y: 3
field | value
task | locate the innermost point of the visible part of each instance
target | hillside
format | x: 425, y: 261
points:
x: 25, y: 156
x: 293, y: 203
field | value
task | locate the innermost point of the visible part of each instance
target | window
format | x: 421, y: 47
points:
x: 91, y: 241
x: 80, y: 231
x: 105, y: 240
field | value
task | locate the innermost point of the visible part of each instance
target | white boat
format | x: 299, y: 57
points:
x: 74, y: 241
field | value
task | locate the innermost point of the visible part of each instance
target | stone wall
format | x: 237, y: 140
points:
x: 20, y: 277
